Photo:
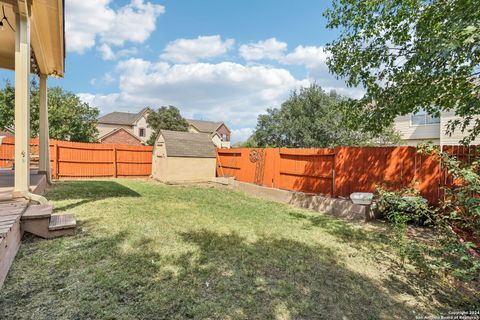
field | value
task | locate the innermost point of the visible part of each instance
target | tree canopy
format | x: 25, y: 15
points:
x: 311, y: 118
x: 167, y: 118
x: 409, y: 54
x: 68, y: 117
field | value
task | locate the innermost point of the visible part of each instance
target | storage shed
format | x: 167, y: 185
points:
x: 183, y: 157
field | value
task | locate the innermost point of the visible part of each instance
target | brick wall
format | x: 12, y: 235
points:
x: 223, y: 130
x: 122, y: 137
x: 6, y: 133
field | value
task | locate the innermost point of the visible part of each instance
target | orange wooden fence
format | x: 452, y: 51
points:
x: 340, y: 171
x: 87, y: 160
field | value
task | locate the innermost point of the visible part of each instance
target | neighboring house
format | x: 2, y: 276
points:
x: 218, y: 131
x: 134, y: 123
x: 121, y: 136
x: 183, y: 157
x: 421, y: 127
x: 7, y: 132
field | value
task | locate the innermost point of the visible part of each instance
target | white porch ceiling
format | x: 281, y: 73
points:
x: 47, y: 36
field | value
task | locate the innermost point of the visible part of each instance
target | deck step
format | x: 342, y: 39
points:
x: 37, y: 212
x: 62, y: 221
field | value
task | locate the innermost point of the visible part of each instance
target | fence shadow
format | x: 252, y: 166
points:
x: 226, y: 276
x: 86, y: 191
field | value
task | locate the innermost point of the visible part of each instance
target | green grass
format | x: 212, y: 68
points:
x: 144, y: 250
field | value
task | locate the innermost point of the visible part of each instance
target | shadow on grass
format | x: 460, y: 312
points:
x: 224, y: 276
x: 341, y: 229
x: 420, y: 279
x: 88, y: 191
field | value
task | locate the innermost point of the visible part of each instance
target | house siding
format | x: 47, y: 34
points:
x: 104, y: 128
x: 413, y: 135
x: 192, y: 129
x: 142, y: 123
x: 457, y: 135
x: 415, y: 132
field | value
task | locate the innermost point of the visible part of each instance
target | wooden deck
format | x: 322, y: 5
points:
x: 11, y: 211
x: 10, y: 233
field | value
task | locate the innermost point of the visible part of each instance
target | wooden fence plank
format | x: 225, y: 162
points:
x: 89, y: 160
x: 339, y: 172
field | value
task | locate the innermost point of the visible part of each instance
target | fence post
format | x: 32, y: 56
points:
x: 115, y: 161
x: 55, y: 160
x: 335, y: 172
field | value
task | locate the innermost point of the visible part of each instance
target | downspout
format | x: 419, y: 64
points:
x: 34, y: 197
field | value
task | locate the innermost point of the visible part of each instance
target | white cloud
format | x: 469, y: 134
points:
x: 241, y: 134
x: 314, y: 59
x: 309, y: 56
x: 267, y: 49
x: 108, y: 54
x: 225, y: 91
x: 90, y: 21
x: 107, y: 79
x: 192, y: 50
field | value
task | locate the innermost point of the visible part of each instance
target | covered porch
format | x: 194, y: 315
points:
x: 38, y: 183
x: 32, y: 38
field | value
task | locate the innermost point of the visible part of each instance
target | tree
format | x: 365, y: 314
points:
x: 167, y: 118
x: 311, y: 118
x: 409, y: 54
x: 69, y: 118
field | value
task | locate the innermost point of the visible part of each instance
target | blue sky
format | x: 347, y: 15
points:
x: 214, y: 59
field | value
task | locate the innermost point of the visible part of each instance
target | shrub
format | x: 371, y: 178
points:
x: 456, y: 221
x: 404, y: 206
x: 401, y: 208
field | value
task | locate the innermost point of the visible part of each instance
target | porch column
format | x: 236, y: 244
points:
x: 44, y: 163
x: 22, y: 104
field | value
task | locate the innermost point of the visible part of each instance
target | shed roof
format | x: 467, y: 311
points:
x: 205, y: 126
x: 188, y: 144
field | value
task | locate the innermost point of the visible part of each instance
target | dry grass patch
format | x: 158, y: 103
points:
x: 149, y: 251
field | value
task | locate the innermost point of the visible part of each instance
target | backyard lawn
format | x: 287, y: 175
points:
x: 144, y: 250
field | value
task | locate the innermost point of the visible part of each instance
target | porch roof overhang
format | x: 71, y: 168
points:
x: 47, y: 25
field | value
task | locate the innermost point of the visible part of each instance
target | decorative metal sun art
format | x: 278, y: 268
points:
x: 254, y: 156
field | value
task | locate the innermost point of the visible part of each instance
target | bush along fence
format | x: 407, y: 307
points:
x: 340, y: 171
x: 86, y: 160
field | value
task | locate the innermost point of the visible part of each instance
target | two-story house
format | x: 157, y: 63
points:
x: 219, y: 132
x: 124, y: 127
x: 422, y: 127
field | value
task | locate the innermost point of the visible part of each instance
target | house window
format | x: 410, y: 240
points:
x: 224, y: 137
x: 422, y: 118
x: 141, y: 132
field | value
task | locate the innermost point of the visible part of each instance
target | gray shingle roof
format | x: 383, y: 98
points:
x: 204, y: 126
x: 125, y: 118
x: 188, y: 144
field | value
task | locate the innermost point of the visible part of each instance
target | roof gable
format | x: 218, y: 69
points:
x: 205, y: 126
x: 188, y: 144
x: 111, y: 133
x: 124, y: 118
